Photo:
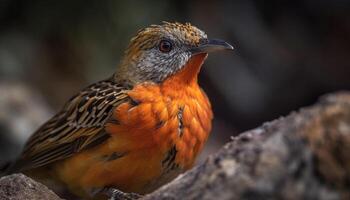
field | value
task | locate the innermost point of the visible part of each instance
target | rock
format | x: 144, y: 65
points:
x: 303, y: 156
x: 20, y: 187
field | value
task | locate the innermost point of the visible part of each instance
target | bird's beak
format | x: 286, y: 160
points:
x: 210, y: 46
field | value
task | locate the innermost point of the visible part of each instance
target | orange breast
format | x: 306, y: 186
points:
x: 163, y: 118
x: 157, y: 135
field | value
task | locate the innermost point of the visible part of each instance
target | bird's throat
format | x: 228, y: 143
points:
x: 189, y: 73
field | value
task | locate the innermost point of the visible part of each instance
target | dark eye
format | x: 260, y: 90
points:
x: 165, y: 46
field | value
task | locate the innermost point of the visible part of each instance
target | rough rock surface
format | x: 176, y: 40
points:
x: 20, y: 187
x: 305, y: 155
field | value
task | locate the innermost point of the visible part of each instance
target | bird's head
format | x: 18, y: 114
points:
x: 160, y: 51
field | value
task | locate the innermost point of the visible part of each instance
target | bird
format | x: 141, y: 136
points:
x: 138, y: 129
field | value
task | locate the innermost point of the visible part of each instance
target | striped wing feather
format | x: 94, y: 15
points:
x: 80, y: 125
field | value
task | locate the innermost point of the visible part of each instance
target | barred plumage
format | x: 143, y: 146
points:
x: 78, y: 126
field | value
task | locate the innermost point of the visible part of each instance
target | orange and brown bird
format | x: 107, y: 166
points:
x: 136, y: 130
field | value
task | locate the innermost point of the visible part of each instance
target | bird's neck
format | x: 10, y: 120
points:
x: 188, y: 75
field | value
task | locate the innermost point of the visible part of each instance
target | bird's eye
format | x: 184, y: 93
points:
x: 165, y: 46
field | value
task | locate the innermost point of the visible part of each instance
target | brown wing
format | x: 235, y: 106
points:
x: 80, y: 125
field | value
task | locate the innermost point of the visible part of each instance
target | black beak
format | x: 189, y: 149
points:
x: 210, y: 46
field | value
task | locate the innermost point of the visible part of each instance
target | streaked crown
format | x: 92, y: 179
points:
x: 184, y: 34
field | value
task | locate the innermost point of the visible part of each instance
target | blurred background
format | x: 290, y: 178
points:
x: 287, y: 54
